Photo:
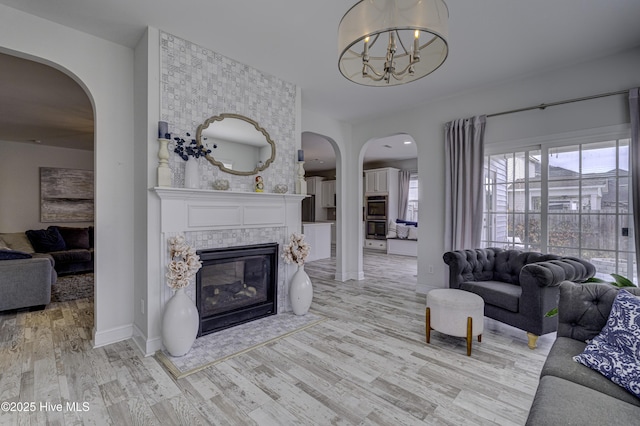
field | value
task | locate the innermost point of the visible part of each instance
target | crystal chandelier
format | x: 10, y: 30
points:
x: 391, y: 42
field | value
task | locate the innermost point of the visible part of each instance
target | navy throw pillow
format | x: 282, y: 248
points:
x: 13, y: 254
x: 407, y: 222
x: 46, y: 240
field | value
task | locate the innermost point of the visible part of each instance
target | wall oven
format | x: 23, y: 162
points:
x: 376, y: 207
x: 376, y: 229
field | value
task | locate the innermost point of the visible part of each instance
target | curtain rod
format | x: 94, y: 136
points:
x: 568, y: 101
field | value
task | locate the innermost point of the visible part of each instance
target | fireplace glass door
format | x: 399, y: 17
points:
x: 236, y: 285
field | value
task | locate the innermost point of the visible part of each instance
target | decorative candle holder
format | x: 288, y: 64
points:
x: 164, y: 171
x: 301, y: 183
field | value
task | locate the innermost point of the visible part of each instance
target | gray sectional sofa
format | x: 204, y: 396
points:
x: 570, y: 393
x: 26, y: 283
x: 518, y: 287
x: 28, y: 268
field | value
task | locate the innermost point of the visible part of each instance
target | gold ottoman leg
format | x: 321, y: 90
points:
x: 428, y: 324
x: 532, y: 340
x: 469, y: 336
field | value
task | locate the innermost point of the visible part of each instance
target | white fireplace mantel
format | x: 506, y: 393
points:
x: 185, y: 210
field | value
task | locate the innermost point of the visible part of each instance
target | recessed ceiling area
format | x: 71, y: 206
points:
x: 40, y: 104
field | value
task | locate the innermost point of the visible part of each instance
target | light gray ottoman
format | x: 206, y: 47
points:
x: 456, y: 313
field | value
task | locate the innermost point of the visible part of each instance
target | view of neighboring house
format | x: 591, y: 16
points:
x: 579, y: 207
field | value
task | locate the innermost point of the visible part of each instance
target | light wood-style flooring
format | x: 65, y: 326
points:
x: 368, y: 364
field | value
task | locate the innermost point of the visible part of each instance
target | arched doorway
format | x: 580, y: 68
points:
x: 47, y: 126
x: 389, y: 201
x: 324, y: 183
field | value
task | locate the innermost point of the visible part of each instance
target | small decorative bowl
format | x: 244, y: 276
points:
x: 280, y: 188
x: 221, y: 184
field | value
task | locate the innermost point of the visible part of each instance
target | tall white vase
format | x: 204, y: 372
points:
x: 191, y: 174
x: 179, y: 324
x: 300, y: 291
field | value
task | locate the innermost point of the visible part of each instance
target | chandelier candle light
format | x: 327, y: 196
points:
x: 391, y: 42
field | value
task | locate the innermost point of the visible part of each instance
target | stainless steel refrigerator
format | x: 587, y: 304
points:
x: 309, y: 209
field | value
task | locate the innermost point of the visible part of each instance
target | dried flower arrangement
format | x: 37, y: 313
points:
x: 184, y: 265
x: 297, y: 250
x: 192, y: 149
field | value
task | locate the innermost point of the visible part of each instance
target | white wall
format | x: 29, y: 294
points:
x: 426, y: 126
x: 105, y: 70
x: 348, y: 256
x: 20, y: 181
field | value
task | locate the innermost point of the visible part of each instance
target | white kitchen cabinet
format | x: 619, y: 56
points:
x: 375, y: 244
x: 328, y: 193
x: 380, y: 181
x: 314, y: 185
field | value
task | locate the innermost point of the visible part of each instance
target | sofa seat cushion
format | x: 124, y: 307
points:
x: 17, y: 241
x: 71, y: 256
x: 561, y: 402
x: 74, y: 238
x: 560, y: 363
x: 496, y: 293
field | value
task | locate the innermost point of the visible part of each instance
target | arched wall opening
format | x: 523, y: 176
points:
x: 323, y: 159
x: 105, y: 71
x: 382, y: 163
x: 49, y: 121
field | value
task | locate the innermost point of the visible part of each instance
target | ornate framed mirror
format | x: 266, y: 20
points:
x: 238, y: 144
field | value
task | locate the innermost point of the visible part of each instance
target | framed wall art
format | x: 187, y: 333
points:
x: 66, y: 195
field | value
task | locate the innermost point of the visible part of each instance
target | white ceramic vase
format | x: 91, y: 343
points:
x: 300, y: 291
x: 191, y: 174
x: 179, y: 324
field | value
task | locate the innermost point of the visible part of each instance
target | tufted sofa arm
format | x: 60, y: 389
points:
x: 553, y: 272
x: 489, y: 264
x: 584, y: 308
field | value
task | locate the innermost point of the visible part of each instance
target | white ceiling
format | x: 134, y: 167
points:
x: 490, y: 41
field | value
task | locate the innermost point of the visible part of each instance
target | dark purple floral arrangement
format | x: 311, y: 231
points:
x: 191, y: 149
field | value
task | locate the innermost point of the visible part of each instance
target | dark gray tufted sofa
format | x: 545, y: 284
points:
x: 518, y: 287
x: 570, y: 393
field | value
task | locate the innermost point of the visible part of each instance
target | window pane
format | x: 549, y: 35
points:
x: 564, y: 195
x: 626, y: 237
x: 534, y: 233
x: 598, y: 192
x: 598, y: 231
x: 563, y: 230
x: 599, y: 157
x: 564, y: 162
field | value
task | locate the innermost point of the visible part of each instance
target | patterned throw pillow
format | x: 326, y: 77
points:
x: 413, y: 233
x: 615, y: 352
x: 391, y: 230
x: 402, y: 231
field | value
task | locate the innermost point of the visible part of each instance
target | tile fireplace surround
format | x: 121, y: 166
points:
x: 214, y: 219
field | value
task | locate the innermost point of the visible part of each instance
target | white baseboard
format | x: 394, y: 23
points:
x: 423, y: 288
x: 147, y: 346
x: 107, y: 337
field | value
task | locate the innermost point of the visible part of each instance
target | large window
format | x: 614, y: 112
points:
x: 412, y: 205
x: 570, y: 198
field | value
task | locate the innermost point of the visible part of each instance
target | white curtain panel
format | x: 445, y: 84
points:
x: 634, y: 110
x: 403, y: 199
x: 464, y: 156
